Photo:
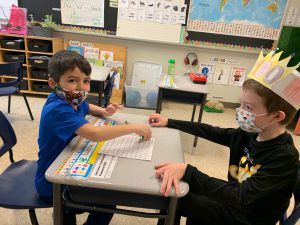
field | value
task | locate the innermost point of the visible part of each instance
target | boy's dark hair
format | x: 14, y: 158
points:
x: 64, y: 61
x: 272, y: 101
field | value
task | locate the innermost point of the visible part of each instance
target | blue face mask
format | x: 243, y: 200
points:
x: 75, y: 98
x: 246, y: 121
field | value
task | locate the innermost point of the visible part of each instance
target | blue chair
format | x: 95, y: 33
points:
x: 14, y: 86
x: 17, y: 189
x: 108, y: 88
x: 295, y: 215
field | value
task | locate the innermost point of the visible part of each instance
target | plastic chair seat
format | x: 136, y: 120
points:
x: 17, y: 190
x: 4, y: 91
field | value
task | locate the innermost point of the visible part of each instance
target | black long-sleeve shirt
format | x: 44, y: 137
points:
x: 261, y: 175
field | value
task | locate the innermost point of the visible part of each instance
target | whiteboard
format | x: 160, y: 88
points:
x: 83, y: 12
x: 148, y: 30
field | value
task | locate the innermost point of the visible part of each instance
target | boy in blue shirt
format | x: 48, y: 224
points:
x: 63, y: 117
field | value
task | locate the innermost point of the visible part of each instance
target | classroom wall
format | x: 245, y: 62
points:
x: 158, y: 52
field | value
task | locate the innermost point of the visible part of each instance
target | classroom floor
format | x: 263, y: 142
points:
x: 208, y: 157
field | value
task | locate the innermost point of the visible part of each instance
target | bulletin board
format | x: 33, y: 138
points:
x: 119, y: 54
x: 170, y: 33
x: 161, y: 27
x: 52, y: 7
x: 236, y: 22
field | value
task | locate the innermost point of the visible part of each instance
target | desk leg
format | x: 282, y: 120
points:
x: 171, y: 211
x: 159, y: 100
x: 193, y: 114
x: 199, y: 118
x: 101, y: 87
x: 57, y: 204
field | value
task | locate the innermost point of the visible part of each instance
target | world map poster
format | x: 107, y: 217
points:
x: 246, y: 18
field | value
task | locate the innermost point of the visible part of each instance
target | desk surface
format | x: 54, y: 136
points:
x: 181, y: 83
x: 100, y: 73
x: 129, y: 175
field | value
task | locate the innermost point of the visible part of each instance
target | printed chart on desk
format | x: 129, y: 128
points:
x: 84, y: 159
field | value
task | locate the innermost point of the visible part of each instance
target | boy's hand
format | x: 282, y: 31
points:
x: 111, y: 109
x: 144, y: 131
x: 171, y: 175
x: 157, y: 120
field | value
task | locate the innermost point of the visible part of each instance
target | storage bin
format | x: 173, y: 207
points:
x: 13, y: 44
x: 39, y: 61
x: 24, y: 85
x: 40, y: 46
x: 141, y: 97
x: 24, y: 73
x: 145, y: 74
x: 41, y: 87
x: 14, y: 57
x: 142, y: 93
x: 39, y: 74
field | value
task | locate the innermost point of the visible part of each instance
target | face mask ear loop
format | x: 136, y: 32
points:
x: 264, y: 126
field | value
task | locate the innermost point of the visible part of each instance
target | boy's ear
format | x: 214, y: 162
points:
x: 51, y: 83
x: 280, y: 115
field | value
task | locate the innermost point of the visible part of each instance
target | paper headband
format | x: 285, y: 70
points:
x: 275, y: 75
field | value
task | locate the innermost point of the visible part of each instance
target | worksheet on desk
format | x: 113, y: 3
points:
x: 128, y: 146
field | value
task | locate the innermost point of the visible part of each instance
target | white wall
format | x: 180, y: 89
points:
x: 157, y: 52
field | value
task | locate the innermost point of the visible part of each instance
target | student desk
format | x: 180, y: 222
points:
x: 132, y: 182
x: 184, y: 91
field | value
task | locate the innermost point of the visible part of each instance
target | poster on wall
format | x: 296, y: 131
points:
x: 246, y: 18
x: 208, y: 70
x: 83, y: 12
x: 221, y: 74
x: 237, y: 75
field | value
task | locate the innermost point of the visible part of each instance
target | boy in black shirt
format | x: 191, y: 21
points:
x: 263, y: 159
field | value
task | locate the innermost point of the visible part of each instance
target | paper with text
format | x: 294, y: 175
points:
x: 128, y: 146
x: 104, y: 166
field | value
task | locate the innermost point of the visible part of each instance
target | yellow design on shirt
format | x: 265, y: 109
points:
x: 242, y: 172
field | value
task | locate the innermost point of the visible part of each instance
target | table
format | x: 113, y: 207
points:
x: 132, y: 183
x: 181, y: 89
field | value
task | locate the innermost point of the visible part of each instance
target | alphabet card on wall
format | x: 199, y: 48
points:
x: 237, y: 75
x: 222, y: 73
x: 208, y: 70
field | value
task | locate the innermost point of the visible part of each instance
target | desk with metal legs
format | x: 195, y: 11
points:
x: 100, y: 74
x: 132, y: 183
x: 183, y: 91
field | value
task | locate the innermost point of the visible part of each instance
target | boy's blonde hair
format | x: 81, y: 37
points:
x: 272, y: 101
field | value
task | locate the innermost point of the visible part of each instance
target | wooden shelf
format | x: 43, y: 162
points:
x: 41, y: 53
x: 11, y: 50
x: 57, y: 44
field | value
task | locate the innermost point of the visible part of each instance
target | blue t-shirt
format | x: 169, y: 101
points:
x: 58, y: 124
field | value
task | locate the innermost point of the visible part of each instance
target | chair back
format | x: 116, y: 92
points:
x: 7, y: 135
x: 11, y: 68
x: 109, y: 87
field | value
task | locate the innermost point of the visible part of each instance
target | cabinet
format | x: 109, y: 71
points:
x: 34, y: 53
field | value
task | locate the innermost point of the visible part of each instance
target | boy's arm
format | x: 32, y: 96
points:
x: 223, y: 136
x: 104, y: 133
x: 261, y: 184
x: 108, y: 111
